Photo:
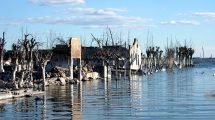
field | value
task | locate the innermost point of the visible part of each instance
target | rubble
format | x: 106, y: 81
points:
x: 62, y: 81
x: 90, y: 76
x: 59, y: 72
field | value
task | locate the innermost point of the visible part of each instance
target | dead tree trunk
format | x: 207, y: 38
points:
x: 14, y: 70
x: 21, y: 81
x: 170, y: 58
x: 44, y: 77
x: 2, y: 44
x: 15, y: 60
x: 1, y: 62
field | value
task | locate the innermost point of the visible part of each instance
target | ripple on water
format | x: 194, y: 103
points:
x: 181, y: 94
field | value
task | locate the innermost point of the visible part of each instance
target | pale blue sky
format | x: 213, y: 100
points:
x: 190, y: 20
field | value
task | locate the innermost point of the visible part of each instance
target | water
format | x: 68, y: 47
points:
x: 178, y: 95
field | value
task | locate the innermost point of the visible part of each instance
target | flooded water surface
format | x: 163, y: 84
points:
x: 181, y: 94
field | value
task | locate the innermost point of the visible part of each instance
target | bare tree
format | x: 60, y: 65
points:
x: 43, y: 57
x: 111, y: 36
x: 191, y: 52
x: 170, y: 57
x: 22, y: 61
x: 59, y: 40
x: 24, y: 43
x: 2, y: 44
x: 97, y: 40
x: 22, y: 52
x: 29, y: 45
x: 32, y: 45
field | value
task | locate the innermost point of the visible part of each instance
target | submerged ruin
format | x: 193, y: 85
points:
x: 27, y: 66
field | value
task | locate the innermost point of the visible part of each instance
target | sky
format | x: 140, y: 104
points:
x: 190, y: 22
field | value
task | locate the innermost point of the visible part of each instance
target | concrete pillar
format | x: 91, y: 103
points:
x: 105, y: 72
x: 71, y: 69
x: 80, y: 71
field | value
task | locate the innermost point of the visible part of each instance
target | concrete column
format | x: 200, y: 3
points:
x: 71, y: 69
x: 105, y: 72
x: 80, y: 70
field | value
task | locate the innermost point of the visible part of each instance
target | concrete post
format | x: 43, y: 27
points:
x: 80, y: 70
x: 71, y: 69
x: 105, y: 72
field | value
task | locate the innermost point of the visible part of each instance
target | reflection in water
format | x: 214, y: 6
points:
x: 65, y: 102
x: 181, y: 94
x: 2, y: 109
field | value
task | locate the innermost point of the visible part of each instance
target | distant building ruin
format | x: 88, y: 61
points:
x: 135, y: 55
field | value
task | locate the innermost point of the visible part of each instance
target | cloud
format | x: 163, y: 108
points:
x: 92, y: 20
x: 92, y: 11
x: 87, y: 17
x: 85, y: 20
x: 205, y: 14
x: 56, y: 2
x: 180, y: 22
x: 134, y: 26
x: 10, y: 24
x: 5, y: 21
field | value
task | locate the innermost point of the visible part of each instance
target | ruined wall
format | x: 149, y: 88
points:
x: 135, y: 55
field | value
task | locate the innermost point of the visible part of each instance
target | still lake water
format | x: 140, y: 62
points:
x: 182, y: 94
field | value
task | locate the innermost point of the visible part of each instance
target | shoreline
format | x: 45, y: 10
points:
x: 19, y: 93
